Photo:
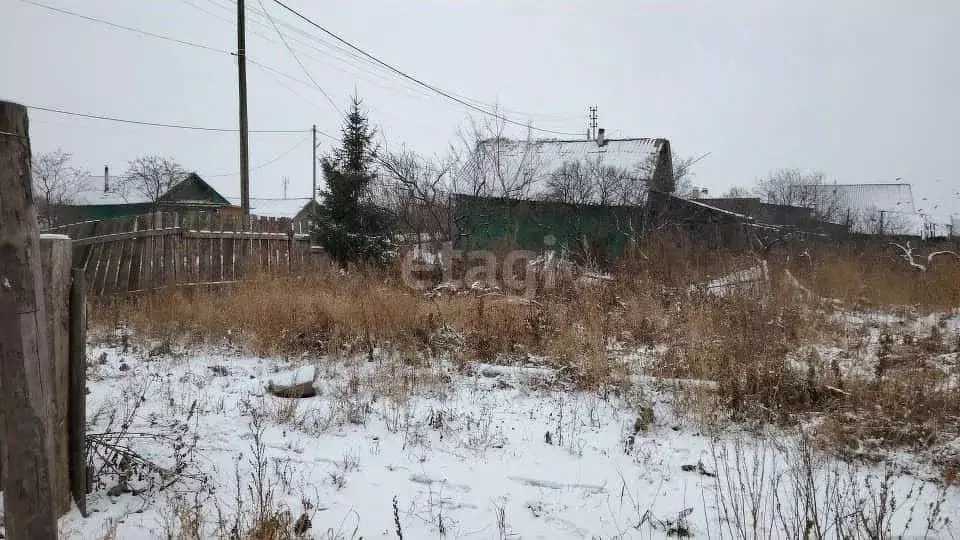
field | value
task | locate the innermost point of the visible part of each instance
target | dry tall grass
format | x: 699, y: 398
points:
x: 757, y: 346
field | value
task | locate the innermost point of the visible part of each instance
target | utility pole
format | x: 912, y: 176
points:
x: 313, y: 194
x: 244, y: 150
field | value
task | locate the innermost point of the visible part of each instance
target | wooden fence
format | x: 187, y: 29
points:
x: 149, y: 252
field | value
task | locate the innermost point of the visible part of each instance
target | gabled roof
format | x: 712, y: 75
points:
x: 539, y: 158
x: 92, y: 192
x: 193, y: 181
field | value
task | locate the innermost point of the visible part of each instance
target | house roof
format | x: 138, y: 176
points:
x: 869, y: 203
x: 287, y: 208
x: 180, y: 192
x: 542, y: 157
x: 92, y: 192
x: 869, y: 197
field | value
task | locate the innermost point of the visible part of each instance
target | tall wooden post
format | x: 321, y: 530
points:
x: 25, y: 362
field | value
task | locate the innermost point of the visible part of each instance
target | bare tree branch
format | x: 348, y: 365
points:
x: 152, y: 176
x: 56, y: 183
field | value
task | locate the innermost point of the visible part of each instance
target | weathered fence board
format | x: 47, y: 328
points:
x: 55, y: 259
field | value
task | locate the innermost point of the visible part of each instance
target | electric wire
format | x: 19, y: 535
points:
x: 416, y: 80
x: 157, y: 124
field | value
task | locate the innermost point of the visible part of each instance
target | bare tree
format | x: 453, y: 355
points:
x: 738, y: 192
x: 55, y: 183
x: 152, y: 176
x: 496, y: 166
x: 794, y: 187
x: 417, y: 191
x: 572, y: 183
x: 682, y: 173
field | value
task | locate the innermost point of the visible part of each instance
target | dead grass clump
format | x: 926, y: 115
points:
x: 743, y: 343
x: 877, y: 275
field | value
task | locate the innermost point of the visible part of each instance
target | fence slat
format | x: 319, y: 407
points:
x: 169, y: 251
x: 123, y: 274
x: 216, y: 266
x: 136, y: 257
x: 229, y: 225
x: 157, y: 254
x: 103, y: 262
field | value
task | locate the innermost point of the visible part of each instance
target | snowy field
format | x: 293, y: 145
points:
x: 387, y: 448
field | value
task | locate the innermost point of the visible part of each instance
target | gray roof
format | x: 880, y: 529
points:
x: 869, y: 203
x: 863, y: 197
x: 92, y: 193
x: 540, y: 158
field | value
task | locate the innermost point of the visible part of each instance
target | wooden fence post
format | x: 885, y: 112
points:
x: 55, y: 263
x: 25, y: 362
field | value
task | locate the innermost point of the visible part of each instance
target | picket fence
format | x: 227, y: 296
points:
x: 161, y: 250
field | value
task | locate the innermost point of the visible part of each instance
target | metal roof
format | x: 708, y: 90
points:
x: 539, y: 158
x: 869, y: 197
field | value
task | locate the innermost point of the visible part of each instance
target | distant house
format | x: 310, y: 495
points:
x: 522, y: 169
x: 585, y: 195
x: 301, y: 210
x: 98, y: 201
x: 871, y: 208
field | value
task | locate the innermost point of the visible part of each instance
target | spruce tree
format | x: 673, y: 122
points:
x: 350, y: 227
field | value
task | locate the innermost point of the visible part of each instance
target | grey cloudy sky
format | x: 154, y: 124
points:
x: 864, y: 90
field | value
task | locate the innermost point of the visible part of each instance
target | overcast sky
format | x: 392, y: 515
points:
x: 864, y: 90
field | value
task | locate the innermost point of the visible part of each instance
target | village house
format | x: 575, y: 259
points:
x: 510, y: 192
x: 108, y: 200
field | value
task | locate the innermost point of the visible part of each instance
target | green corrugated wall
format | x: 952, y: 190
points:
x: 487, y: 223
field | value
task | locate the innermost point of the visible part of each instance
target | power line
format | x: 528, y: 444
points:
x: 299, y: 63
x: 128, y: 28
x: 174, y: 40
x: 159, y: 124
x: 368, y: 73
x: 366, y: 61
x: 265, y: 163
x: 409, y: 77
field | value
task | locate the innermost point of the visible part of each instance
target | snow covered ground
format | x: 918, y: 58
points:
x: 481, y: 452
